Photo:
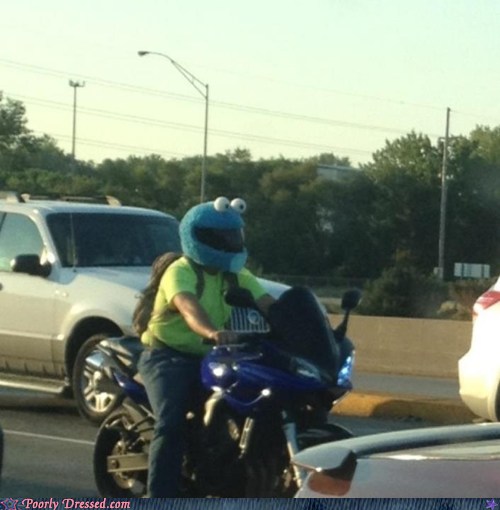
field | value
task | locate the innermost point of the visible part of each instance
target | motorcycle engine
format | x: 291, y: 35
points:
x: 218, y: 467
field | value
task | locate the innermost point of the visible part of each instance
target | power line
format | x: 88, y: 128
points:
x: 476, y: 115
x: 117, y: 146
x: 187, y: 127
x: 221, y: 104
x: 122, y: 147
x: 54, y: 72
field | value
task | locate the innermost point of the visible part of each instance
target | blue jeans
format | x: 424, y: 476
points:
x: 173, y: 383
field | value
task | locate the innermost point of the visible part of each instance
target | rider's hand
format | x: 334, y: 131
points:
x: 223, y: 337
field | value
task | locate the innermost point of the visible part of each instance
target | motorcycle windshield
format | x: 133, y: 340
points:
x: 300, y: 328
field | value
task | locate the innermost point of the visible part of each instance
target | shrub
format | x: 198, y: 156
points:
x: 463, y: 294
x: 466, y: 292
x: 402, y: 291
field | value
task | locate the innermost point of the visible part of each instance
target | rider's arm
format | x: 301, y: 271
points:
x: 248, y: 281
x: 264, y: 303
x: 198, y: 320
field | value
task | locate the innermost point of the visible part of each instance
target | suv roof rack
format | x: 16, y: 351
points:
x: 12, y: 196
x: 99, y: 199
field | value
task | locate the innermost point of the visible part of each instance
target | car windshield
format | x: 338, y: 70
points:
x: 100, y: 239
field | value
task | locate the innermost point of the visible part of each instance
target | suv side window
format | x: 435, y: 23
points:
x: 103, y: 239
x: 18, y: 236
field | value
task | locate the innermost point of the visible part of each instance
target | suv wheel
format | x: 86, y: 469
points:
x: 93, y: 404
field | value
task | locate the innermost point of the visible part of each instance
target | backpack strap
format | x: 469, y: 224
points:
x: 200, y: 280
x: 231, y: 279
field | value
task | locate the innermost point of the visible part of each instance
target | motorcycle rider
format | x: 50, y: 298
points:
x: 189, y: 306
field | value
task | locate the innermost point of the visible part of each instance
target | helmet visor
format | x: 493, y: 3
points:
x: 226, y: 240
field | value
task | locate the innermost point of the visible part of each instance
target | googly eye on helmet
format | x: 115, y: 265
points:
x: 212, y: 234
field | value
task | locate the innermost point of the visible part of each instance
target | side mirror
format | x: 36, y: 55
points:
x: 242, y: 298
x: 30, y: 264
x: 351, y: 299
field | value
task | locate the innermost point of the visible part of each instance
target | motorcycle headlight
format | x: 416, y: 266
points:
x: 345, y: 372
x: 219, y: 370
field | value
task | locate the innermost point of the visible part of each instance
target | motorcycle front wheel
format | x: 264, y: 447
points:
x: 116, y: 439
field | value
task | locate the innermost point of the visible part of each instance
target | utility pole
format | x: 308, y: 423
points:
x: 444, y: 192
x: 75, y: 85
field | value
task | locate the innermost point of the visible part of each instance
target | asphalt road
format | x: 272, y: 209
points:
x: 48, y: 446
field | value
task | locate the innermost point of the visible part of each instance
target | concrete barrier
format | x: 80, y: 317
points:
x: 396, y: 345
x: 376, y: 405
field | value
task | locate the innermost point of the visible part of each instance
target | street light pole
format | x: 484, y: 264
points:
x: 444, y: 193
x: 75, y: 85
x: 202, y: 88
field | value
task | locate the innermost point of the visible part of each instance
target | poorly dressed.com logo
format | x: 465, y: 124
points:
x: 8, y: 504
x: 117, y: 504
x: 64, y: 504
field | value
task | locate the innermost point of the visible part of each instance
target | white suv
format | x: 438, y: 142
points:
x: 70, y: 274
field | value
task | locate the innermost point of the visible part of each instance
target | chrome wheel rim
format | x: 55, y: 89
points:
x: 96, y: 401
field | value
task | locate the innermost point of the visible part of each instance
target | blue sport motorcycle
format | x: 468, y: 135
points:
x: 269, y: 396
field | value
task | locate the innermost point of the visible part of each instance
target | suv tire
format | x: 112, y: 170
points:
x: 92, y: 403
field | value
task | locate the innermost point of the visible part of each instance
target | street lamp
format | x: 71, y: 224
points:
x: 202, y: 88
x: 75, y: 85
x: 444, y: 193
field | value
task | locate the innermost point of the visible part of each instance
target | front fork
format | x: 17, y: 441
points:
x: 289, y: 429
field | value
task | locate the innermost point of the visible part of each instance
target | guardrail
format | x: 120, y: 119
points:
x: 425, y: 347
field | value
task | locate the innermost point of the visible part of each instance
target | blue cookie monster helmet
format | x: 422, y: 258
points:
x: 212, y: 234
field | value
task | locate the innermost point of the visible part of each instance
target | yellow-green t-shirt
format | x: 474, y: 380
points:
x: 170, y: 327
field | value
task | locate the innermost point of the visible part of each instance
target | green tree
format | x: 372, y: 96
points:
x: 16, y: 141
x: 473, y: 196
x: 234, y: 174
x: 347, y: 210
x: 328, y: 158
x: 405, y: 216
x: 286, y: 229
x: 403, y: 291
x: 487, y: 143
x: 46, y: 155
x: 12, y: 122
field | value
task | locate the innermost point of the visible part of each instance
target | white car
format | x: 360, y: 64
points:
x: 454, y: 461
x: 479, y: 368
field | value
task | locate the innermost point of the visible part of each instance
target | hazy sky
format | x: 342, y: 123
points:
x: 291, y: 78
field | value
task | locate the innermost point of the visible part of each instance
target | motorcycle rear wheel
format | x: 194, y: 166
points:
x: 113, y: 438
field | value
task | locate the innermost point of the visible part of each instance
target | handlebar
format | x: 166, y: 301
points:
x: 208, y: 341
x: 242, y: 340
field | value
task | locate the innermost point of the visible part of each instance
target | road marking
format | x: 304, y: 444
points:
x: 51, y: 438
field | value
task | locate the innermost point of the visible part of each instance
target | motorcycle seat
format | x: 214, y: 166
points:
x: 127, y: 346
